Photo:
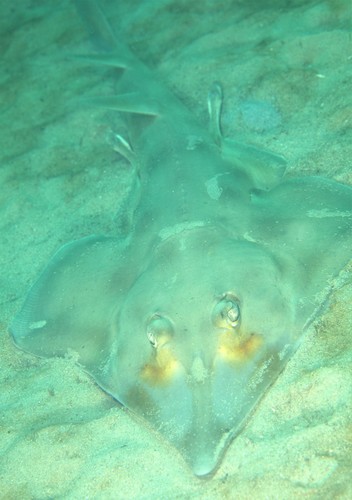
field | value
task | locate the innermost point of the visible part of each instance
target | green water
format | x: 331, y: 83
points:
x: 284, y: 67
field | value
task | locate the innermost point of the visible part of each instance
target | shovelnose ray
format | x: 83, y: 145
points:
x: 189, y: 315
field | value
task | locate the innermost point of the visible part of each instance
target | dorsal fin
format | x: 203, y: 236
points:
x: 132, y: 102
x: 99, y: 29
x: 116, y: 60
x: 214, y: 110
x: 263, y: 167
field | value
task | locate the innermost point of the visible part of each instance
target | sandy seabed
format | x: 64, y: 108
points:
x: 289, y: 61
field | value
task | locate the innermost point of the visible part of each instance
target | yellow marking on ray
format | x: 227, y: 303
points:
x: 160, y: 369
x: 236, y: 349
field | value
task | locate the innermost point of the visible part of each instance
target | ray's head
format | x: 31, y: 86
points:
x: 203, y: 331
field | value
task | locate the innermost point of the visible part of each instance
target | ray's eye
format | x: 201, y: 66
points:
x: 227, y: 312
x: 159, y: 330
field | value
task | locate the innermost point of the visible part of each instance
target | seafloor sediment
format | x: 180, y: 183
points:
x: 285, y: 69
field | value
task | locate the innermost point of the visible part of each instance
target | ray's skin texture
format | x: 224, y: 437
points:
x: 190, y: 318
